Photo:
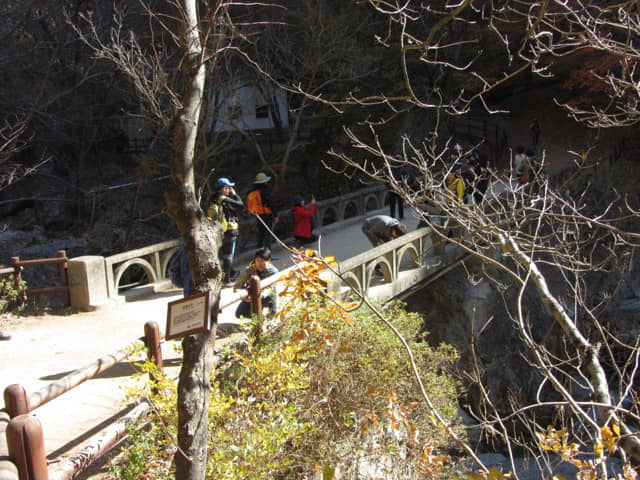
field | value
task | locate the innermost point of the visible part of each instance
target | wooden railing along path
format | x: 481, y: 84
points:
x: 18, y: 266
x: 25, y: 455
x: 22, y: 450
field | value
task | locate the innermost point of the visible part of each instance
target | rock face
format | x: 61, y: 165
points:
x: 463, y: 308
x: 470, y: 311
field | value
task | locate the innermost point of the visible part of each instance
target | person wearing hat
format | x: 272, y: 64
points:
x: 225, y: 207
x: 302, y: 220
x: 260, y: 204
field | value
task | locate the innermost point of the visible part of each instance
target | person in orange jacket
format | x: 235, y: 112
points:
x: 261, y: 204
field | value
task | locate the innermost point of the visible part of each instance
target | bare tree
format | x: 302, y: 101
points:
x: 189, y: 36
x: 551, y: 237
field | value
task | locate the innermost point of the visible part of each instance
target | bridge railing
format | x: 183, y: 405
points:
x: 95, y: 280
x: 401, y: 262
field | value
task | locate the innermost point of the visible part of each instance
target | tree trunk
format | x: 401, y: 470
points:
x: 202, y: 240
x: 193, y: 405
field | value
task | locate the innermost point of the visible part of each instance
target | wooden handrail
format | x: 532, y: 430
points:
x: 60, y: 260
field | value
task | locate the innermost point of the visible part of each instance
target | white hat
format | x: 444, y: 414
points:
x: 262, y: 178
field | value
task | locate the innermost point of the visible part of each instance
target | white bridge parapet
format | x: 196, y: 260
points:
x: 403, y: 261
x: 94, y: 280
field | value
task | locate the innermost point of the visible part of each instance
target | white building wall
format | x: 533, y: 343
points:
x: 237, y: 110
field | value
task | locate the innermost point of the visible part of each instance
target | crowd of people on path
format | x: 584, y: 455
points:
x: 226, y: 208
x: 465, y: 182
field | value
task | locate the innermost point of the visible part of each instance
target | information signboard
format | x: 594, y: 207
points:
x: 188, y: 315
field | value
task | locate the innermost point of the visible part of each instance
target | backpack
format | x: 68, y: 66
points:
x: 216, y: 212
x: 254, y: 203
x: 174, y: 269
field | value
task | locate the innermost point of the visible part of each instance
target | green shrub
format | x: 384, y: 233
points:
x: 324, y: 392
x: 12, y: 293
x: 329, y: 385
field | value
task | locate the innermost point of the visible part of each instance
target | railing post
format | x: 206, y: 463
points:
x: 64, y: 276
x: 255, y: 296
x: 25, y: 442
x: 16, y: 400
x: 152, y: 339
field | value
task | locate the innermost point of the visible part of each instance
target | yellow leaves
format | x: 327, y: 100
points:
x: 609, y: 440
x: 430, y: 463
x: 557, y: 441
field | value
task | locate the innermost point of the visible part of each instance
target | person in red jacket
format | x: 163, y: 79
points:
x: 302, y: 220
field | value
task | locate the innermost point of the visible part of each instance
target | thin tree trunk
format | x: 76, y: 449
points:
x: 202, y: 241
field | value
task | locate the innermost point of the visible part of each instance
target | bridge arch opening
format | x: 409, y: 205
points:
x: 329, y: 216
x: 134, y: 273
x: 371, y: 203
x: 379, y: 271
x: 134, y: 276
x: 408, y: 258
x: 350, y: 210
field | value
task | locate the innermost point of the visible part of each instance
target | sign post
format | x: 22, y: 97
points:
x: 188, y: 315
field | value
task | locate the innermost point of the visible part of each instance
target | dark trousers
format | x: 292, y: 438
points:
x: 395, y: 199
x: 264, y: 237
x: 481, y: 188
x: 227, y: 250
x: 306, y: 240
x: 244, y: 308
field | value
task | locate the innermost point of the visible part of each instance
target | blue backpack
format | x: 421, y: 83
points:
x: 174, y: 269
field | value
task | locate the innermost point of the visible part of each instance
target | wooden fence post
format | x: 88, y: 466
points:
x: 64, y: 276
x: 25, y: 442
x: 255, y: 295
x: 16, y: 400
x: 152, y: 339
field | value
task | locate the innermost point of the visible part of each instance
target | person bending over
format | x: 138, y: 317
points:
x: 382, y: 228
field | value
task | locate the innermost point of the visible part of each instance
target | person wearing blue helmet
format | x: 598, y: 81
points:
x: 225, y: 208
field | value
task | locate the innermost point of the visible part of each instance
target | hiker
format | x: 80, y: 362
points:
x: 520, y: 170
x: 380, y: 229
x: 464, y: 169
x: 403, y: 174
x: 302, y: 220
x: 534, y: 163
x: 225, y: 207
x: 534, y: 128
x: 262, y: 267
x: 261, y: 205
x: 455, y: 185
x: 482, y: 176
x: 178, y: 271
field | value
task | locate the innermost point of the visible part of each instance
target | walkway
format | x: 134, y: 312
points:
x: 46, y: 348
